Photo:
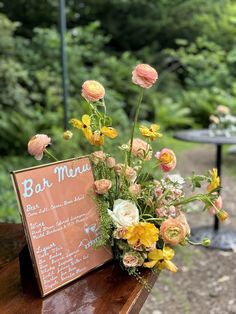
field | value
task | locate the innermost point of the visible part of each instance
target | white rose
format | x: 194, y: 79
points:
x: 125, y: 213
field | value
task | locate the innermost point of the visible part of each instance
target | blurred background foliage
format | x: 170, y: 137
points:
x: 192, y: 43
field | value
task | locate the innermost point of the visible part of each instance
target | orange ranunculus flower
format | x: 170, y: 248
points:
x: 141, y: 149
x: 92, y: 91
x: 151, y: 133
x: 167, y: 159
x: 144, y: 233
x: 84, y: 125
x: 173, y: 231
x: 37, y: 144
x: 215, y: 180
x: 161, y: 259
x: 144, y: 75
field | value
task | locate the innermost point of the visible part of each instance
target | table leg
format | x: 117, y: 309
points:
x: 218, y: 166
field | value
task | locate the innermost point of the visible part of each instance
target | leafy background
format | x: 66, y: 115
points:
x: 191, y: 43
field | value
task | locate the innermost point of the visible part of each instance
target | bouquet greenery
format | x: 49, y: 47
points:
x: 142, y: 209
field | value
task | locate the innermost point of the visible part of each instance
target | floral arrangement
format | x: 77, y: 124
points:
x: 142, y: 208
x: 222, y: 122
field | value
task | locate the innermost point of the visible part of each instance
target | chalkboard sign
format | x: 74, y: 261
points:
x: 61, y: 222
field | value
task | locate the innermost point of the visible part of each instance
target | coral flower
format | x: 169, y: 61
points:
x: 217, y: 206
x: 144, y: 75
x: 144, y: 233
x: 173, y: 231
x: 141, y: 149
x: 161, y: 259
x: 84, y: 125
x: 215, y: 180
x: 98, y: 156
x: 110, y: 162
x: 102, y: 186
x: 151, y: 132
x: 92, y: 91
x: 167, y: 159
x: 37, y: 144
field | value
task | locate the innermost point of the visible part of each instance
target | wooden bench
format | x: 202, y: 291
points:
x: 106, y: 290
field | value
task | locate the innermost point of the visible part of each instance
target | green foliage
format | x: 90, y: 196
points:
x: 191, y: 43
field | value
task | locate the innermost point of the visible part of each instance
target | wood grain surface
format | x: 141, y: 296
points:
x: 105, y: 290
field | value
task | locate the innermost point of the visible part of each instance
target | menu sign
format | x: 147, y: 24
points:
x: 61, y: 221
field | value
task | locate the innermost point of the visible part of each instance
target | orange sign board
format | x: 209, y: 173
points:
x: 61, y: 221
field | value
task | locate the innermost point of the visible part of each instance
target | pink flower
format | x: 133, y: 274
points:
x: 167, y: 159
x: 135, y: 189
x: 130, y: 174
x: 218, y: 205
x: 102, y: 186
x: 110, y: 162
x: 161, y: 212
x: 141, y: 149
x: 37, y: 144
x: 92, y: 91
x: 98, y: 156
x: 144, y: 75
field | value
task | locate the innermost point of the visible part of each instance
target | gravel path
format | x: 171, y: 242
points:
x: 206, y: 280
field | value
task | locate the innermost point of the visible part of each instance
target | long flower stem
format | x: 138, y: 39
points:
x: 50, y: 155
x: 135, y: 122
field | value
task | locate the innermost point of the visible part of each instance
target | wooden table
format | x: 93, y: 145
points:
x: 106, y: 290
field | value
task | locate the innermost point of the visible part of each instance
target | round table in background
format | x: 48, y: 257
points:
x: 221, y: 238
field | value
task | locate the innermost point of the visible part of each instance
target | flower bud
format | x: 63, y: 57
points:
x: 67, y: 135
x: 206, y: 241
x: 222, y: 215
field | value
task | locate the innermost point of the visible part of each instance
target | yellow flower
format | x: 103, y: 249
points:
x: 84, y: 125
x: 161, y: 259
x: 144, y: 233
x: 151, y: 132
x: 97, y: 138
x: 222, y: 215
x: 109, y: 131
x: 215, y: 180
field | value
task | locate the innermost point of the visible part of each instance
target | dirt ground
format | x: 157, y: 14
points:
x: 206, y: 280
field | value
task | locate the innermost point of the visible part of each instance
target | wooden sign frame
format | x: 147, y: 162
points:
x: 38, y: 257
